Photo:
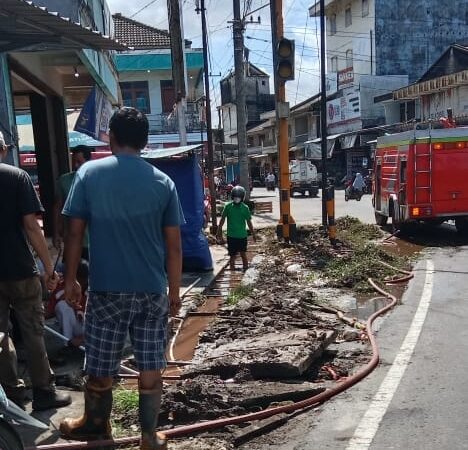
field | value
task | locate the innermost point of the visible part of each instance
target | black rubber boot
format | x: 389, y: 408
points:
x: 150, y: 405
x: 95, y: 421
x: 49, y: 398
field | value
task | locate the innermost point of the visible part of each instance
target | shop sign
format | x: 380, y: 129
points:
x: 344, y: 108
x: 345, y: 77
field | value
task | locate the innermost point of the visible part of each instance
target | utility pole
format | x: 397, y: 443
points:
x: 178, y: 65
x: 323, y: 113
x: 237, y: 31
x: 286, y: 227
x: 209, y: 127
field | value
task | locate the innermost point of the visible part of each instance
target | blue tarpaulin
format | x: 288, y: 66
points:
x: 186, y: 174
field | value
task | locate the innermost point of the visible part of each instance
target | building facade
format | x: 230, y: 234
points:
x: 145, y: 75
x: 257, y: 98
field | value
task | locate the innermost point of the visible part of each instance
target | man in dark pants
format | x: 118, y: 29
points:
x: 133, y: 214
x: 20, y: 288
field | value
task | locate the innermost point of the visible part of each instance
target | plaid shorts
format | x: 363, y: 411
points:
x: 110, y: 316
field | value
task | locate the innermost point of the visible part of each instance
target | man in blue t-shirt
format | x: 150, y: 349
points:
x: 133, y: 216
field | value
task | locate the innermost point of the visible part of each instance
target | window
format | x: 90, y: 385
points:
x: 333, y: 24
x: 136, y: 95
x: 263, y: 83
x: 349, y: 58
x: 334, y: 64
x: 348, y: 17
x: 365, y: 8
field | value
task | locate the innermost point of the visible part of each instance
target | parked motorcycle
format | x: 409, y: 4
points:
x: 12, y: 415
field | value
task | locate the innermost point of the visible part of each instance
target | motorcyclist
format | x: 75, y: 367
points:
x: 359, y: 183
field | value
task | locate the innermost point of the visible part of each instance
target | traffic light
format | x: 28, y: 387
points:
x: 285, y: 59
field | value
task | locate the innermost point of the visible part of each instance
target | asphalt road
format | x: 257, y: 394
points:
x: 417, y: 397
x: 306, y: 210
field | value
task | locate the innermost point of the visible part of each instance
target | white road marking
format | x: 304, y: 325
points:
x: 370, y: 422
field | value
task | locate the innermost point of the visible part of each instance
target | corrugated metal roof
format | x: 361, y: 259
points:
x: 139, y: 35
x: 34, y: 25
x: 168, y: 152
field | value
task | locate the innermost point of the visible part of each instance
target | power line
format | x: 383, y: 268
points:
x: 302, y: 55
x: 143, y: 8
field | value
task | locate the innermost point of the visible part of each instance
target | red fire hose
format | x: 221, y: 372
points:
x: 219, y: 423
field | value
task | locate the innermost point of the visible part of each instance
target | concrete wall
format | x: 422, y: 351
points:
x: 373, y: 86
x: 355, y: 37
x: 229, y: 118
x: 435, y: 105
x: 412, y: 34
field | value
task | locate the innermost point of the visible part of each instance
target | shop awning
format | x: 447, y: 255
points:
x: 168, y: 152
x: 313, y: 148
x: 24, y: 25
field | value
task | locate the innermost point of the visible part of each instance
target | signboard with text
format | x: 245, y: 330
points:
x: 332, y: 83
x: 345, y: 77
x: 344, y: 108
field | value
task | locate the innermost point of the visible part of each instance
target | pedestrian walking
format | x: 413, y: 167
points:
x: 238, y: 216
x: 20, y: 287
x: 134, y: 217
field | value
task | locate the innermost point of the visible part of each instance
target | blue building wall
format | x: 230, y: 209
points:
x: 412, y: 34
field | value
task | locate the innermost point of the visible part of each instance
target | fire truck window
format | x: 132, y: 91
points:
x: 403, y: 171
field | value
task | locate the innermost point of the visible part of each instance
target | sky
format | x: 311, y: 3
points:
x: 257, y: 38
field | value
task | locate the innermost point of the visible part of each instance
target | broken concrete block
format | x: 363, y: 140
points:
x: 286, y: 354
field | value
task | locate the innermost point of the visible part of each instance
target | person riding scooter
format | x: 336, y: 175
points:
x: 354, y: 190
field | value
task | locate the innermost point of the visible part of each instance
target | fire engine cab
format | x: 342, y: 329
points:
x: 422, y: 175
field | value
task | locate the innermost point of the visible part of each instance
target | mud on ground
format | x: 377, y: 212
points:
x: 278, y: 337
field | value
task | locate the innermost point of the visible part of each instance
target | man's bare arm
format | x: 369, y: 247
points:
x: 173, y: 266
x: 39, y: 244
x: 73, y: 246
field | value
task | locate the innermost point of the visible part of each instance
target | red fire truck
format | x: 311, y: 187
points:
x: 422, y: 175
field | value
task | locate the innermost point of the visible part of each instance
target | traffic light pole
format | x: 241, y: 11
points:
x: 286, y: 228
x: 323, y: 113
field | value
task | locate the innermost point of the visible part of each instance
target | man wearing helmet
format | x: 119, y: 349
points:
x: 238, y: 215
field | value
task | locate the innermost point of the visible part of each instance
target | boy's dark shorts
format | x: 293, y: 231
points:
x: 236, y: 245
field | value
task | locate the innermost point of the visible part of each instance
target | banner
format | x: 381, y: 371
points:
x: 95, y: 115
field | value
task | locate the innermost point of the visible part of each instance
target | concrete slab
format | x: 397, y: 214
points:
x: 273, y: 355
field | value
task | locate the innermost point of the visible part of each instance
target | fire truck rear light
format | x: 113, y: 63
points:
x: 461, y: 144
x: 415, y: 212
x: 438, y: 146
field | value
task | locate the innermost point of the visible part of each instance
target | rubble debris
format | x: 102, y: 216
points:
x: 271, y: 355
x: 259, y: 428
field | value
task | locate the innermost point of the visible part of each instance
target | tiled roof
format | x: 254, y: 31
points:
x: 139, y: 35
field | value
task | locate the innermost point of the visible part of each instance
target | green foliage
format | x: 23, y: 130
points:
x: 238, y: 293
x: 125, y: 401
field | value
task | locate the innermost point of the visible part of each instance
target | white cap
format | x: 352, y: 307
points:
x: 2, y: 139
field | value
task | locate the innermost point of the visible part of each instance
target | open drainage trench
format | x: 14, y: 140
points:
x: 183, y: 347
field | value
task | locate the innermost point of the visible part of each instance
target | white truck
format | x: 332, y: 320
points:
x: 303, y: 178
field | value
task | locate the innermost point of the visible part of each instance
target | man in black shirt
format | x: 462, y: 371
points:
x: 20, y: 287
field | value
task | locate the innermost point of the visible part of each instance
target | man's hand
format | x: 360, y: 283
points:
x: 72, y: 292
x: 174, y: 303
x: 51, y: 279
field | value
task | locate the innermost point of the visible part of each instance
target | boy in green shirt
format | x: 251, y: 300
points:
x: 238, y: 215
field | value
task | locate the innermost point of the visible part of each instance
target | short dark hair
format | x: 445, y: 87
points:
x: 82, y: 149
x: 130, y: 128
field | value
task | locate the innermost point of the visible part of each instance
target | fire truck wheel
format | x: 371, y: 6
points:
x: 380, y: 219
x: 462, y: 225
x: 346, y: 197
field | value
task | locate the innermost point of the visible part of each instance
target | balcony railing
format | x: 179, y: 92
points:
x: 166, y: 123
